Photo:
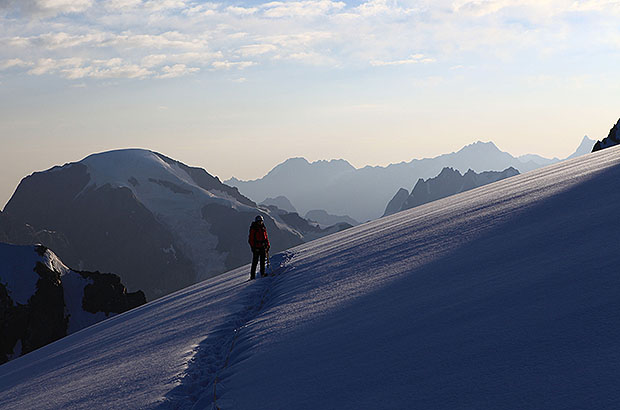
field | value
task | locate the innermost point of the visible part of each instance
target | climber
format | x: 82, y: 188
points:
x: 259, y: 242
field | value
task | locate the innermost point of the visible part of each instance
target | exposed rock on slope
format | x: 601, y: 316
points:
x: 41, y: 300
x: 612, y: 139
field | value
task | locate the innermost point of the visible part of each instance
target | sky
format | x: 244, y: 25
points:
x: 237, y: 87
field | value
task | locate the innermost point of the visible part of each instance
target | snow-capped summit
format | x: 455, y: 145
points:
x: 42, y: 300
x: 158, y: 223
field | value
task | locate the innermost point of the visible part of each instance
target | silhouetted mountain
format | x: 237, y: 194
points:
x: 450, y: 182
x: 41, y: 300
x: 396, y: 203
x: 324, y: 219
x: 281, y: 202
x: 612, y: 139
x: 584, y: 148
x: 156, y: 222
x: 340, y: 189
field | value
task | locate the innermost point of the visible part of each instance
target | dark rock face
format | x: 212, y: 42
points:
x: 450, y: 182
x: 44, y: 317
x: 396, y: 203
x: 611, y: 140
x: 107, y: 294
x: 36, y: 324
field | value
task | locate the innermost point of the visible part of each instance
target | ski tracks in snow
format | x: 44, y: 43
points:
x: 203, y: 385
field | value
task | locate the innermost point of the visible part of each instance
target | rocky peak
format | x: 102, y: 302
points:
x: 612, y: 139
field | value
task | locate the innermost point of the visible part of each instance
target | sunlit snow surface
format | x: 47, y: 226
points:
x: 504, y: 297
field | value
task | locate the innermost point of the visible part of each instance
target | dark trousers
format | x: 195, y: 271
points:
x: 256, y: 254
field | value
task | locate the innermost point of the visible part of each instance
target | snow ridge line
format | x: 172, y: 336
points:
x: 202, y: 382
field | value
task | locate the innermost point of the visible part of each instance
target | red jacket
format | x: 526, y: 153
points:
x: 258, y: 236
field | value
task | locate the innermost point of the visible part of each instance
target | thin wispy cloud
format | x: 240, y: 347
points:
x: 413, y: 59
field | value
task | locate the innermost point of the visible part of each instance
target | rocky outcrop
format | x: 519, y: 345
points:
x: 41, y: 300
x: 611, y: 140
x: 396, y: 203
x: 450, y: 182
x: 105, y: 293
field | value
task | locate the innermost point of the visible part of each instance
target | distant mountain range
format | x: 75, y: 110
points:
x: 339, y: 188
x: 41, y: 300
x: 448, y: 182
x: 158, y: 223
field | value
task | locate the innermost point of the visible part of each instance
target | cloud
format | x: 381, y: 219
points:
x: 50, y: 41
x: 308, y: 8
x: 177, y: 70
x: 170, y: 39
x: 312, y: 58
x: 241, y: 11
x: 202, y: 57
x: 226, y: 65
x: 158, y: 5
x: 256, y: 49
x: 120, y: 4
x: 45, y: 8
x: 15, y: 62
x: 378, y: 7
x: 78, y: 68
x: 413, y: 59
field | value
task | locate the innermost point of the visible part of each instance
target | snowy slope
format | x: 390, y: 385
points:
x: 502, y: 297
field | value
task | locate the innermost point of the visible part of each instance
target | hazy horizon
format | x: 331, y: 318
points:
x: 8, y: 186
x: 237, y: 87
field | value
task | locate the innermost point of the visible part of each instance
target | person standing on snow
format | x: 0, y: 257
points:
x: 259, y: 242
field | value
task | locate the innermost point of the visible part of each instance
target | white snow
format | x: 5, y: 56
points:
x: 502, y: 297
x: 17, y: 271
x: 73, y: 284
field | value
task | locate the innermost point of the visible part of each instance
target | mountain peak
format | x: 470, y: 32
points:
x: 481, y: 146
